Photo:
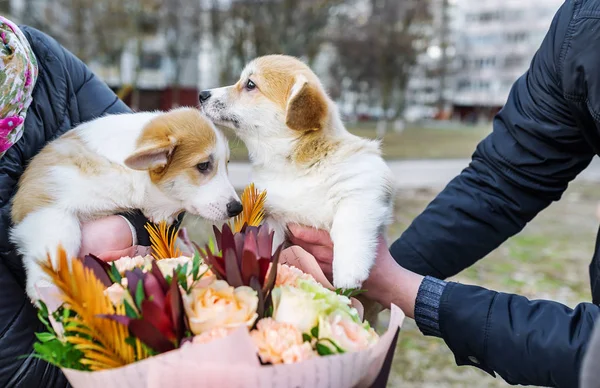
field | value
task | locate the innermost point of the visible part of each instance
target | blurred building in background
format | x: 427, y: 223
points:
x: 430, y: 88
x: 495, y: 42
x: 384, y: 60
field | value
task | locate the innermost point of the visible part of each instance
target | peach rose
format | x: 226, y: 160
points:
x: 213, y: 334
x: 129, y: 263
x: 289, y: 275
x: 280, y: 342
x: 349, y: 335
x: 220, y: 305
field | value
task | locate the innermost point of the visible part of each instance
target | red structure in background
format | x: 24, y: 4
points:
x: 163, y: 99
x: 472, y: 114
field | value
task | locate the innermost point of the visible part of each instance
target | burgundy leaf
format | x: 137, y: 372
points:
x: 270, y: 281
x: 227, y: 240
x: 251, y: 244
x: 154, y: 291
x: 99, y: 268
x: 260, y: 309
x: 264, y: 269
x: 250, y: 266
x: 217, y: 237
x: 239, y: 246
x: 175, y: 307
x: 265, y: 246
x: 162, y: 282
x: 133, y: 278
x: 157, y: 316
x: 215, y: 262
x: 150, y: 335
x: 122, y: 319
x: 234, y: 277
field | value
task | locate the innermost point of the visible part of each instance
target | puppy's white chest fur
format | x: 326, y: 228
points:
x: 308, y: 200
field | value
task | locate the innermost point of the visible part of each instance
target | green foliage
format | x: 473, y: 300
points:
x: 51, y: 347
x: 350, y: 292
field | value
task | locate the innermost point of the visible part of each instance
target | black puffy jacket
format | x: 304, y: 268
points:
x: 66, y: 94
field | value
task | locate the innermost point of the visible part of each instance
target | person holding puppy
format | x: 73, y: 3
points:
x: 44, y: 92
x: 545, y: 135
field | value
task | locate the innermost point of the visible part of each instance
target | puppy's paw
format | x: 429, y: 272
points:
x: 349, y: 275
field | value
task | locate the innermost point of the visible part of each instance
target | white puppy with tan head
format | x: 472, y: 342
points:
x: 161, y: 163
x: 315, y: 172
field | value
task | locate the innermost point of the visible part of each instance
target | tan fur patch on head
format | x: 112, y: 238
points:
x: 193, y: 138
x: 307, y: 109
x: 277, y: 75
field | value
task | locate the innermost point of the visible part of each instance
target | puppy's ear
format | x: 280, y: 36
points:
x: 152, y: 156
x: 306, y: 107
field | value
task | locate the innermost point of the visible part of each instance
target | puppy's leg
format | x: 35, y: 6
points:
x: 39, y: 235
x: 357, y: 224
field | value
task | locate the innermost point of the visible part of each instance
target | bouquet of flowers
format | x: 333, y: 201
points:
x: 233, y: 314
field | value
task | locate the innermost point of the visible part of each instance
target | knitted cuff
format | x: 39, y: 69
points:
x: 428, y: 304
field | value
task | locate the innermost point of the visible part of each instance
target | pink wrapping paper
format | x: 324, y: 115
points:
x: 232, y: 362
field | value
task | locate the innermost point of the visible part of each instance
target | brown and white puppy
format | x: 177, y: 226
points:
x: 161, y: 163
x: 315, y: 172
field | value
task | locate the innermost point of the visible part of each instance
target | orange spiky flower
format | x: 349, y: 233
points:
x: 102, y: 341
x: 253, y: 202
x: 162, y: 240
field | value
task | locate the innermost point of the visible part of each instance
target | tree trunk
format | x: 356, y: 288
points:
x: 135, y: 96
x: 5, y: 7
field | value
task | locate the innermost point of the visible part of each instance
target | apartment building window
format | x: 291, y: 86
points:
x: 513, y: 61
x: 463, y: 84
x: 483, y: 63
x: 151, y: 61
x: 517, y: 37
x: 489, y: 16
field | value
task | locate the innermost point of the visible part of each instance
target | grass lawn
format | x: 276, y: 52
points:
x: 412, y: 143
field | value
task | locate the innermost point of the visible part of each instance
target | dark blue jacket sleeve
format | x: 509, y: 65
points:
x: 534, y: 151
x: 536, y: 342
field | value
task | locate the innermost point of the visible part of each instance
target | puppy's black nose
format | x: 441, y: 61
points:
x: 234, y: 208
x: 204, y: 95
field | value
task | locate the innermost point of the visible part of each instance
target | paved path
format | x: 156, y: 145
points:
x: 413, y: 174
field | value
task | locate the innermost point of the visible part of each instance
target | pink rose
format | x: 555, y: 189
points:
x: 280, y: 342
x: 349, y: 335
x: 289, y: 276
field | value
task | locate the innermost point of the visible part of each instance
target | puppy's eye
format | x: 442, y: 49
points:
x: 203, y: 167
x: 250, y: 85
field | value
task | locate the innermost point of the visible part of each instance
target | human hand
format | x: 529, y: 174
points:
x: 388, y: 282
x: 109, y: 239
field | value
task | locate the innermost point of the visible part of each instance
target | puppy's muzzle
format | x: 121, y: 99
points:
x: 234, y: 208
x: 204, y: 96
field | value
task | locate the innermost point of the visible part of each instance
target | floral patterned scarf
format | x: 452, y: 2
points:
x: 18, y: 73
